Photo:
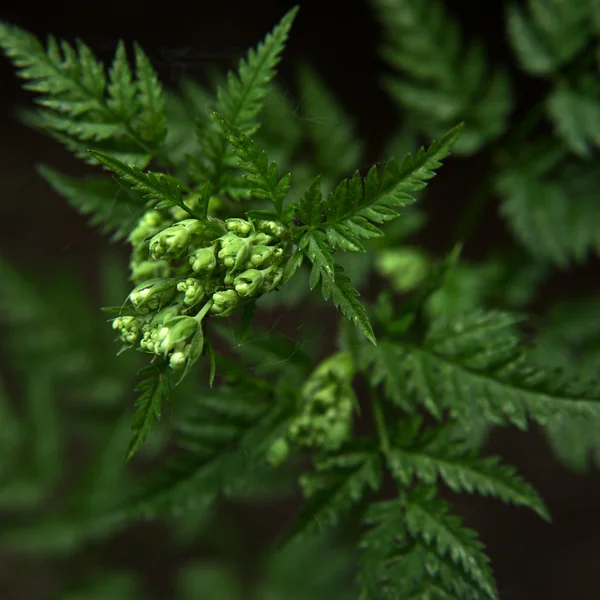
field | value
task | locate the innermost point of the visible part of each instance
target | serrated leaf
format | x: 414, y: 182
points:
x: 154, y: 389
x: 338, y: 482
x: 112, y: 207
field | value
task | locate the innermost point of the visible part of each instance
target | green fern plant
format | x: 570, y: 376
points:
x: 227, y: 217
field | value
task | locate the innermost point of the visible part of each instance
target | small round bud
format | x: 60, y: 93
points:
x: 273, y: 228
x: 238, y: 226
x: 278, y: 452
x: 248, y: 283
x: 174, y: 241
x: 203, y: 260
x: 152, y: 294
x: 234, y: 250
x: 224, y: 303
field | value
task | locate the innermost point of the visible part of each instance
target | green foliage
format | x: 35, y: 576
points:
x: 539, y: 205
x: 438, y: 80
x: 548, y: 35
x: 246, y: 184
x: 115, y: 209
x: 123, y: 115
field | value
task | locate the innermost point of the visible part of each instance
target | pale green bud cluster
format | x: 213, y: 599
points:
x: 186, y: 267
x: 327, y: 404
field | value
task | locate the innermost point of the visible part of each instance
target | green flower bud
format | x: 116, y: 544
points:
x: 261, y: 239
x: 224, y: 303
x: 278, y: 452
x: 238, y: 226
x: 151, y: 222
x: 177, y: 360
x: 234, y: 251
x: 203, y: 260
x: 162, y: 317
x: 129, y: 329
x: 194, y: 291
x: 180, y: 329
x: 248, y: 283
x: 272, y: 278
x: 174, y: 241
x: 260, y: 255
x: 152, y: 294
x: 273, y: 228
x: 149, y: 269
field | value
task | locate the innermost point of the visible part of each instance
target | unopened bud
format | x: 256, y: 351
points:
x: 248, y: 283
x: 174, y: 241
x: 203, y: 260
x: 224, y: 302
x: 152, y: 294
x: 238, y: 226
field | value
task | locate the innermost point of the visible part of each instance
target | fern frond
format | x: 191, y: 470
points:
x: 473, y: 365
x: 113, y: 208
x: 356, y: 205
x: 428, y: 518
x: 575, y: 112
x: 160, y: 190
x: 262, y: 175
x: 225, y: 438
x: 438, y: 81
x: 335, y: 143
x: 548, y: 34
x: 416, y: 550
x: 240, y: 102
x: 554, y: 212
x: 155, y: 387
x: 462, y: 469
x: 123, y: 116
x: 338, y: 483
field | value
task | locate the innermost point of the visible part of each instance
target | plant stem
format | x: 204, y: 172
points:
x: 380, y: 424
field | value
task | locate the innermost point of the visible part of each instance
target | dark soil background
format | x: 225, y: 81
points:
x: 532, y: 560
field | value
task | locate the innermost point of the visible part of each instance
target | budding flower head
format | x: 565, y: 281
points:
x: 174, y: 241
x: 151, y: 222
x: 128, y: 327
x: 248, y: 283
x: 149, y: 269
x: 224, y: 303
x: 203, y: 260
x: 234, y: 250
x: 273, y: 228
x: 152, y: 294
x: 194, y: 291
x: 181, y: 329
x: 238, y: 226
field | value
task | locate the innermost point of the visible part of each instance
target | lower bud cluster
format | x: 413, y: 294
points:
x: 188, y: 268
x: 327, y: 404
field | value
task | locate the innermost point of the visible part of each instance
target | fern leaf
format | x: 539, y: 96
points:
x: 353, y: 208
x: 115, y: 209
x: 154, y: 388
x: 427, y: 518
x: 415, y: 550
x: 463, y: 470
x: 262, y: 176
x: 161, y: 190
x: 240, y: 102
x: 124, y: 116
x: 474, y: 366
x: 225, y: 438
x: 553, y: 213
x: 549, y: 34
x: 339, y: 482
x: 575, y: 112
x: 437, y: 80
x: 336, y: 146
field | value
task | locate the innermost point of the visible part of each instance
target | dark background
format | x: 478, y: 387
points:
x: 532, y: 560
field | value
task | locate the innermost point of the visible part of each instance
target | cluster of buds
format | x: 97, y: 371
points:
x: 186, y: 268
x: 327, y: 404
